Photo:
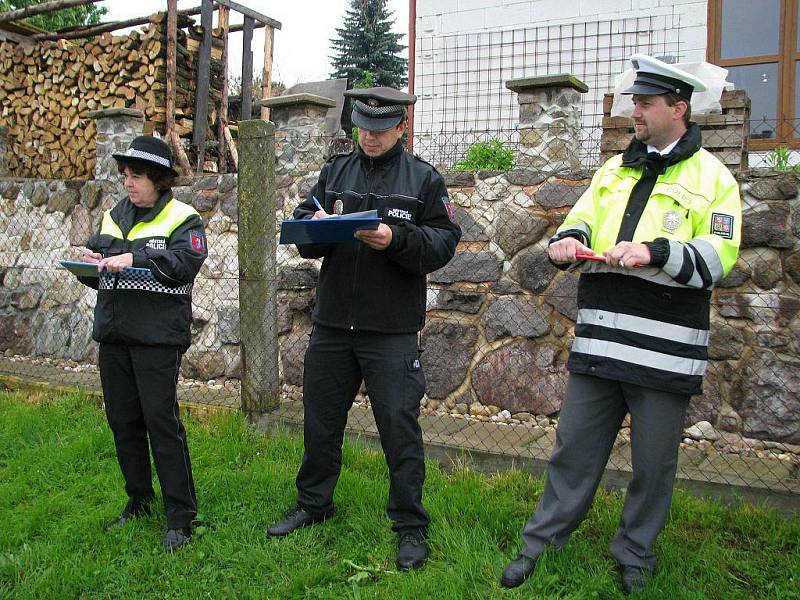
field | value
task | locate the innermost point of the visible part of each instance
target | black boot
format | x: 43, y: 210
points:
x: 517, y: 571
x: 634, y: 579
x: 175, y: 538
x: 295, y: 519
x: 136, y: 507
x: 412, y: 551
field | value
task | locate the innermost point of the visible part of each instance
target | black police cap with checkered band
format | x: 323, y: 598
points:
x: 379, y: 108
x: 148, y: 149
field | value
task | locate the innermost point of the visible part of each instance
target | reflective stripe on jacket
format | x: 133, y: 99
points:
x: 650, y: 325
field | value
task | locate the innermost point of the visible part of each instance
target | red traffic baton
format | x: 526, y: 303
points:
x: 597, y: 257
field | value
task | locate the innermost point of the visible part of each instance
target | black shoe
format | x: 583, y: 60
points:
x: 634, y: 579
x: 135, y: 508
x: 175, y: 538
x: 412, y: 551
x: 295, y: 519
x: 517, y: 571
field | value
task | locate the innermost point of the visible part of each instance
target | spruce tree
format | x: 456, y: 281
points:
x: 366, y: 50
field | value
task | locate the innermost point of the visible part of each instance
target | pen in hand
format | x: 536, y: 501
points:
x: 317, y: 204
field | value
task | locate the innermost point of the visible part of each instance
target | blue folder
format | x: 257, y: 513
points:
x: 82, y: 269
x: 333, y: 229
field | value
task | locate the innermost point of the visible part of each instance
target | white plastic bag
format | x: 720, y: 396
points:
x: 702, y: 102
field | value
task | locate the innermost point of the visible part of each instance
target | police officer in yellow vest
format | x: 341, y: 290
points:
x: 142, y: 322
x: 666, y: 216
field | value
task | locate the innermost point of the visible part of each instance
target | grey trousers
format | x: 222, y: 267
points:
x: 591, y: 416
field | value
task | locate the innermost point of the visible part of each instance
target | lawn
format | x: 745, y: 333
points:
x: 59, y: 486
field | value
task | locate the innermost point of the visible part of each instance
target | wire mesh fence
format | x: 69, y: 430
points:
x: 500, y: 317
x: 461, y: 78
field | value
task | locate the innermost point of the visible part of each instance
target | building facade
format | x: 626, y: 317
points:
x: 467, y: 49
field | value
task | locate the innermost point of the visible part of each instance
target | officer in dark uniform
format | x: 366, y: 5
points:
x: 142, y: 322
x: 370, y: 306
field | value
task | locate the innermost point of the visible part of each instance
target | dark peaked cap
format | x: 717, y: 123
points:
x: 150, y: 150
x: 654, y: 77
x: 379, y: 108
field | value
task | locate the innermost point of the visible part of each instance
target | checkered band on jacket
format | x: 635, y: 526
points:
x: 139, y: 280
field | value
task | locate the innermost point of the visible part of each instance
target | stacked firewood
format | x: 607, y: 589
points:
x: 48, y: 88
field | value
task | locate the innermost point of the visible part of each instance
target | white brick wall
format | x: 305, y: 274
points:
x: 464, y: 20
x: 554, y: 10
x: 601, y: 8
x: 461, y: 16
x: 509, y: 15
x: 454, y: 73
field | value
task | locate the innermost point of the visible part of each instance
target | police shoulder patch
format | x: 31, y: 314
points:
x: 451, y: 214
x: 722, y: 225
x: 197, y: 240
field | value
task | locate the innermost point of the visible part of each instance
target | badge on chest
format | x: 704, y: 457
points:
x: 672, y: 221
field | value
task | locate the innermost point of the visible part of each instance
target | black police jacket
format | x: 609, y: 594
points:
x: 381, y: 290
x: 151, y: 307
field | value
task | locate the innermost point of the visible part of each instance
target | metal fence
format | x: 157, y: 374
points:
x: 460, y: 78
x: 500, y: 317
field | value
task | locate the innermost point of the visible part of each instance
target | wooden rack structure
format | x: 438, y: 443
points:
x: 174, y: 71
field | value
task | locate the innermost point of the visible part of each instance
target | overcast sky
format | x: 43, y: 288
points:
x: 302, y: 45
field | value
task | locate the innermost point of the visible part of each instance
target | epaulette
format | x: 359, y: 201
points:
x: 340, y: 146
x: 422, y: 160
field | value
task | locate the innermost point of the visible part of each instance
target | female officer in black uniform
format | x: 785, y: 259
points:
x: 142, y: 322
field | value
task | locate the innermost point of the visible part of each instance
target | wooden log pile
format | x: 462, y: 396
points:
x: 725, y: 135
x: 48, y: 88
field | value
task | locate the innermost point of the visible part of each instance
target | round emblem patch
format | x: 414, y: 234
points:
x: 672, y: 220
x: 338, y: 207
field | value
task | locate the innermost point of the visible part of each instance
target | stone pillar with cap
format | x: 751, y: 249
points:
x: 300, y: 141
x: 116, y: 129
x: 549, y: 121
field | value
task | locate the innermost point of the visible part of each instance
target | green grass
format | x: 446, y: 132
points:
x: 59, y: 486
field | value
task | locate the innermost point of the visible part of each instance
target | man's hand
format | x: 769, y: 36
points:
x: 117, y: 263
x: 377, y: 239
x: 628, y: 255
x: 565, y: 249
x: 320, y: 214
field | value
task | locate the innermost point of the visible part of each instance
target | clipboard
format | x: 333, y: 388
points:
x: 82, y: 269
x: 334, y: 229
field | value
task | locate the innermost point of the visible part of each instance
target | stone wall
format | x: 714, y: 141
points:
x: 45, y: 312
x: 500, y: 316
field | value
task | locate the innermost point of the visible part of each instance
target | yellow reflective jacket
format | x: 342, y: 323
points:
x: 650, y: 325
x: 152, y: 306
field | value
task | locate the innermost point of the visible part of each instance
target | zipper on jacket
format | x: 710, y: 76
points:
x: 360, y: 244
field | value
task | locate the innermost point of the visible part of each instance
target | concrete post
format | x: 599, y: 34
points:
x: 549, y: 121
x: 258, y: 311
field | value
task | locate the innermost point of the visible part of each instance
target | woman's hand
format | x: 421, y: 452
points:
x: 91, y: 257
x: 117, y: 263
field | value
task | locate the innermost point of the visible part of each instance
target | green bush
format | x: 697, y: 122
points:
x: 487, y: 156
x: 780, y: 159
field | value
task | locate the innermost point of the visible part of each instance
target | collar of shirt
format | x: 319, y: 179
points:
x: 666, y: 150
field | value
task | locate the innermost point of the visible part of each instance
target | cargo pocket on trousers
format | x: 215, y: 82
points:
x: 415, y: 380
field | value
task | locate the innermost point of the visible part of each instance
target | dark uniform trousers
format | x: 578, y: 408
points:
x: 139, y: 386
x: 335, y: 363
x: 590, y: 418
